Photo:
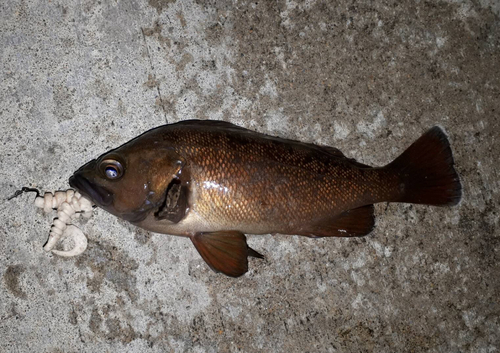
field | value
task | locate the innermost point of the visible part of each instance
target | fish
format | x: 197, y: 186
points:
x: 215, y: 182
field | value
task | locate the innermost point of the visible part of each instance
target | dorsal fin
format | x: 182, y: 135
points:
x: 224, y: 126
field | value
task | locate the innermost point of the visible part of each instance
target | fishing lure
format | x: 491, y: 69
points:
x: 69, y: 205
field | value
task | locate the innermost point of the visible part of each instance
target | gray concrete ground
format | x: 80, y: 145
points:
x: 368, y: 77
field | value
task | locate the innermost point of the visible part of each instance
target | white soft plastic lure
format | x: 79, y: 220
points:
x: 69, y: 205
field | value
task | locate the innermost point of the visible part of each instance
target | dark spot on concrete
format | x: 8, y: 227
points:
x: 151, y: 82
x: 110, y: 264
x: 63, y: 99
x: 142, y: 236
x: 102, y: 90
x: 156, y: 30
x: 166, y: 104
x: 186, y: 59
x: 95, y: 321
x: 181, y: 18
x: 209, y: 65
x: 73, y: 317
x: 54, y: 149
x: 159, y: 5
x: 116, y: 331
x: 11, y: 278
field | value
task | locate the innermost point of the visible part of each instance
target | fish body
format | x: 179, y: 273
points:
x: 213, y: 181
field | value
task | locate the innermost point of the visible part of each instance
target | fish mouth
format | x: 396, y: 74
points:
x: 96, y: 193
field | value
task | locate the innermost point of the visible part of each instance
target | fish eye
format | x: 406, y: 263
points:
x: 111, y: 169
x: 111, y: 172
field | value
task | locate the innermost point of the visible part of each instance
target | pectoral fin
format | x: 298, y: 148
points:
x: 225, y: 251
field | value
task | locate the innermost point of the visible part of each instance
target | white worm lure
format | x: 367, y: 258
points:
x: 69, y: 205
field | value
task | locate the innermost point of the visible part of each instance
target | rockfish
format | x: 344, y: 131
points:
x: 214, y: 182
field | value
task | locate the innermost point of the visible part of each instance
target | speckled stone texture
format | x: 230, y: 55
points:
x: 368, y: 77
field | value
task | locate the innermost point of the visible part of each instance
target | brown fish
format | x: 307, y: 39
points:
x: 213, y: 182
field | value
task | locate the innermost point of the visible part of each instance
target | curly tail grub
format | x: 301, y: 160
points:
x: 69, y: 205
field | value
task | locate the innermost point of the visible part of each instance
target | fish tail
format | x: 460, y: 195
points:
x: 427, y: 173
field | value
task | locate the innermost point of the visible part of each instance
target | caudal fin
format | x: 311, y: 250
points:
x: 427, y: 172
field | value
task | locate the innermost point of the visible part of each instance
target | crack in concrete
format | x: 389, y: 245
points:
x: 153, y: 70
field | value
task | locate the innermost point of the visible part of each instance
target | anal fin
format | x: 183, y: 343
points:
x: 225, y: 251
x: 352, y: 223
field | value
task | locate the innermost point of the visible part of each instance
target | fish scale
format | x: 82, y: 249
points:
x: 234, y: 170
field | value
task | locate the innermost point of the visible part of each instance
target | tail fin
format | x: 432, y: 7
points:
x: 427, y: 172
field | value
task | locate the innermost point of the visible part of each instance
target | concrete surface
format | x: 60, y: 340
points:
x: 81, y: 77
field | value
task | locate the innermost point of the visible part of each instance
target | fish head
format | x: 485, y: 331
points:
x: 129, y: 182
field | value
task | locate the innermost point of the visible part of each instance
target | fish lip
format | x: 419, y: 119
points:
x: 96, y: 193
